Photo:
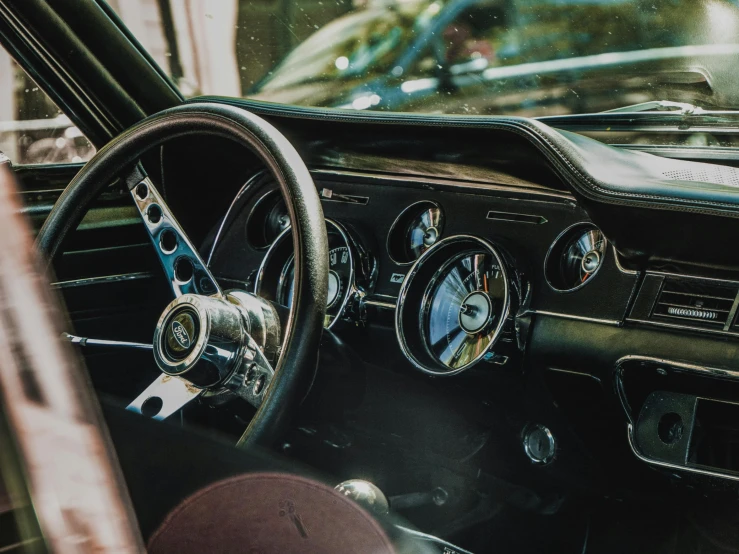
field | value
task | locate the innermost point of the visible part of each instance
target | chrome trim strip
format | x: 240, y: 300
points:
x: 621, y: 268
x: 380, y: 304
x: 242, y: 191
x: 667, y: 325
x: 732, y: 313
x: 682, y: 276
x: 329, y: 195
x: 685, y: 367
x: 571, y: 372
x: 682, y: 366
x: 405, y: 179
x: 579, y: 318
x: 106, y: 279
x: 530, y: 219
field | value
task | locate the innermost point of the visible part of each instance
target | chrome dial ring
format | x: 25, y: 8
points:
x: 453, y: 304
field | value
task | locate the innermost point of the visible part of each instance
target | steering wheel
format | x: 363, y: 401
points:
x: 209, y: 342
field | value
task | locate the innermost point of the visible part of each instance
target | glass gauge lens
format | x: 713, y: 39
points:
x: 423, y: 231
x: 581, y: 257
x: 339, y: 278
x: 417, y: 228
x: 466, y: 304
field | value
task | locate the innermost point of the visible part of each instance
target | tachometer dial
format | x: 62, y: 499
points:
x: 350, y: 270
x: 339, y: 277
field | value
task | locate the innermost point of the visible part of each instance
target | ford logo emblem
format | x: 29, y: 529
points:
x: 180, y: 334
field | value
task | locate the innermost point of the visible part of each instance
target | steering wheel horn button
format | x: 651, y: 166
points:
x: 200, y: 338
x: 203, y: 345
x: 180, y: 334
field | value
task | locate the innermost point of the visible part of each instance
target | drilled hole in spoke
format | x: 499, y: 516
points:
x: 154, y: 214
x: 152, y: 406
x: 142, y: 191
x: 183, y: 270
x: 168, y: 241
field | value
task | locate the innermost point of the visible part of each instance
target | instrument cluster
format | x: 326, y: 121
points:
x: 462, y: 297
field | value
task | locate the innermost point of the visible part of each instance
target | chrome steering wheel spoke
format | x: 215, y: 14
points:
x: 164, y: 397
x: 185, y: 269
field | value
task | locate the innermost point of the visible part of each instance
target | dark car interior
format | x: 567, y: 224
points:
x: 525, y: 338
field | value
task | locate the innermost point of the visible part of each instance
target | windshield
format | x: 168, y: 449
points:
x: 502, y: 57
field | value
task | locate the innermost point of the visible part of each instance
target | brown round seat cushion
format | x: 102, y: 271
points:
x: 264, y: 513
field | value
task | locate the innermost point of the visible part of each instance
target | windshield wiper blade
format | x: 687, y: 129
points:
x: 660, y: 106
x: 656, y: 115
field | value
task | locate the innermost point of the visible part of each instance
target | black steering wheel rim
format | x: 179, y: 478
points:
x: 305, y: 323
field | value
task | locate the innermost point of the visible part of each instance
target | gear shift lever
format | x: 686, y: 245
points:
x: 366, y: 494
x: 372, y: 499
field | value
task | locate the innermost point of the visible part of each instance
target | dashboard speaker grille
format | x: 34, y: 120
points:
x: 694, y: 302
x: 709, y: 174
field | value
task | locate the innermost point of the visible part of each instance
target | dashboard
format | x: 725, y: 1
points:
x: 507, y: 303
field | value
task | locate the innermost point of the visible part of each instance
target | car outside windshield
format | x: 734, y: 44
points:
x: 485, y: 57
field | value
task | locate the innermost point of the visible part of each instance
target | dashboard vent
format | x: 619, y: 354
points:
x: 695, y: 302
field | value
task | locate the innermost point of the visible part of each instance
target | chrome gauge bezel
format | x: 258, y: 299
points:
x: 557, y: 245
x: 402, y: 216
x: 450, y: 249
x: 352, y: 287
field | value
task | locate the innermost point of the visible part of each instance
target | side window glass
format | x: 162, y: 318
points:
x: 32, y: 129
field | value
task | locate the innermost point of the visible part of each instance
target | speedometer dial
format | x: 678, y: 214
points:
x: 465, y: 306
x: 454, y: 303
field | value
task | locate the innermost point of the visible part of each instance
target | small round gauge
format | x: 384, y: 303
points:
x: 415, y: 230
x: 453, y: 305
x: 575, y: 257
x: 350, y: 269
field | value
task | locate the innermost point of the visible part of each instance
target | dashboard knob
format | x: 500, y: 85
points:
x: 539, y: 444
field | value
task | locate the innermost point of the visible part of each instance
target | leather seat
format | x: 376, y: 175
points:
x: 269, y: 513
